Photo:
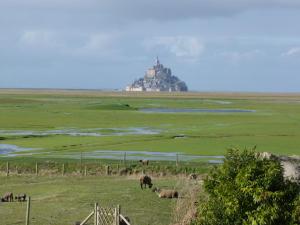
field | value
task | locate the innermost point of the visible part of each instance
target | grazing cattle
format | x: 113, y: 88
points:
x: 122, y: 222
x: 145, y: 180
x: 8, y: 197
x: 164, y: 193
x: 144, y: 162
x: 20, y: 197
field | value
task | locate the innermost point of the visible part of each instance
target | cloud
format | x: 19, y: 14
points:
x: 76, y: 44
x: 154, y: 9
x: 181, y: 46
x: 38, y: 38
x: 295, y: 51
x: 96, y: 44
x: 238, y: 56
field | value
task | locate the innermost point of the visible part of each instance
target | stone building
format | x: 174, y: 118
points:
x: 158, y: 78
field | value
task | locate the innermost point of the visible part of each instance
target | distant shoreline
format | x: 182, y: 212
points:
x: 122, y: 93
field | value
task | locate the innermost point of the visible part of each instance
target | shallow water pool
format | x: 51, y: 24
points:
x: 169, y: 110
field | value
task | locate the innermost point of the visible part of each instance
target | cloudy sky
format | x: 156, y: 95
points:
x: 213, y: 45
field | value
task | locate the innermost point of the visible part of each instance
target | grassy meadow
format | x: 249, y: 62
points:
x: 54, y: 127
x: 64, y: 200
x: 274, y: 126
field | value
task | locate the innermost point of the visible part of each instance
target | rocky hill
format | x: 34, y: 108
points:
x: 158, y: 78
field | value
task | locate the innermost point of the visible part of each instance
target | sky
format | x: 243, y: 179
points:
x: 212, y: 45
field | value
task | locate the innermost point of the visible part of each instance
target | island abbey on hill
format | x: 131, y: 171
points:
x: 158, y: 78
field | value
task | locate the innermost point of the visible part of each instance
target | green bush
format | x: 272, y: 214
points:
x: 249, y: 190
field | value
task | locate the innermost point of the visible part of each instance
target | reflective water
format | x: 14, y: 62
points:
x: 169, y: 110
x: 137, y: 155
x: 95, y: 132
x: 7, y: 148
x: 13, y: 150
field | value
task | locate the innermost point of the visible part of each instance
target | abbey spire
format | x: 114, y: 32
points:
x: 157, y: 61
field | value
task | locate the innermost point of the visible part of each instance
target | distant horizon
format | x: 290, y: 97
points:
x: 123, y: 90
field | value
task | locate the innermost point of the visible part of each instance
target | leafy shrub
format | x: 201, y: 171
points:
x: 249, y: 190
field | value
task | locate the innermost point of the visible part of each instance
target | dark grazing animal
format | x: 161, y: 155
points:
x: 145, y: 180
x: 20, y: 197
x: 8, y: 197
x: 144, y: 162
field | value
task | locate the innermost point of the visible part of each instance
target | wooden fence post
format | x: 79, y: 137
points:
x: 117, y: 214
x: 85, y: 170
x: 177, y: 160
x: 7, y: 169
x: 107, y: 170
x: 17, y: 172
x: 36, y: 169
x: 118, y: 168
x: 96, y: 214
x: 28, y: 211
x: 63, y: 169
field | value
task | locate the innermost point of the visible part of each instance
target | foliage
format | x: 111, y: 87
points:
x: 248, y: 189
x: 296, y: 212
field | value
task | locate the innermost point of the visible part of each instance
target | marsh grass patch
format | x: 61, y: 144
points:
x: 111, y: 106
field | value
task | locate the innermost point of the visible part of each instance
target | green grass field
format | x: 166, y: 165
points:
x: 64, y: 200
x: 47, y: 120
x: 274, y: 127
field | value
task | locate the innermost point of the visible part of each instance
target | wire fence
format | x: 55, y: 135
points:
x: 90, y: 168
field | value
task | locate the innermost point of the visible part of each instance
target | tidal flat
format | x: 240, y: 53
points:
x: 87, y: 121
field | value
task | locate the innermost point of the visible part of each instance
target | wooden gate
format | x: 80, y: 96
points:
x: 105, y: 216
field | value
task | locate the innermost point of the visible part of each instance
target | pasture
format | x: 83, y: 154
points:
x: 64, y: 200
x: 51, y: 128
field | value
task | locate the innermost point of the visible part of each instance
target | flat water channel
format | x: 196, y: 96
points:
x: 169, y: 110
x: 14, y: 151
